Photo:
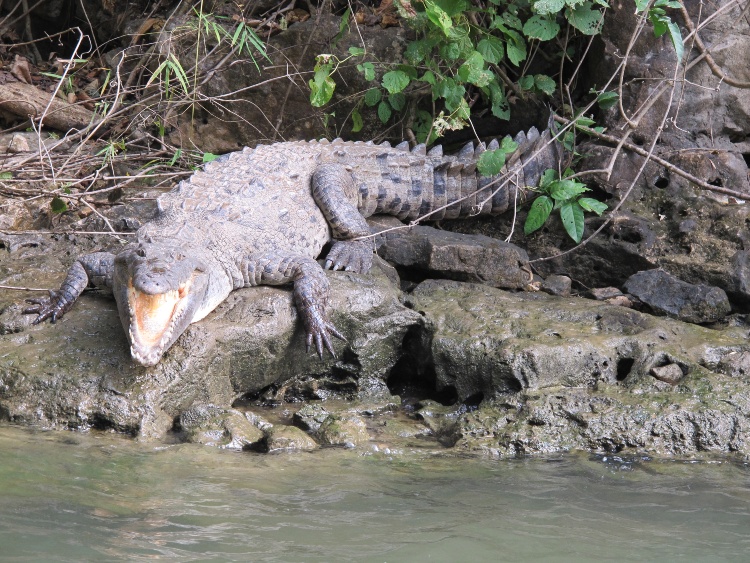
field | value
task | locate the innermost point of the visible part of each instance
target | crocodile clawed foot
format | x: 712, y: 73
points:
x: 319, y: 331
x: 52, y: 307
x: 350, y: 255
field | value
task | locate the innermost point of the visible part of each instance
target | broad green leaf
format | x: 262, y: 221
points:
x: 548, y: 176
x: 544, y: 7
x: 542, y: 28
x: 322, y: 86
x: 372, y: 97
x: 463, y: 111
x: 538, y: 214
x: 357, y: 122
x: 607, y: 99
x: 356, y: 51
x: 491, y: 49
x: 660, y: 25
x: 451, y: 92
x: 563, y: 190
x: 368, y: 69
x: 572, y: 217
x: 545, y: 84
x: 450, y: 51
x: 428, y: 77
x: 594, y: 205
x: 58, y: 205
x: 395, y: 81
x: 526, y: 82
x: 512, y: 20
x: 209, y: 157
x: 640, y: 5
x: 676, y: 37
x: 452, y: 7
x: 417, y: 51
x: 508, y: 145
x: 384, y: 111
x: 500, y: 107
x: 515, y: 47
x: 491, y: 162
x: 584, y: 18
x: 397, y: 101
x: 438, y: 16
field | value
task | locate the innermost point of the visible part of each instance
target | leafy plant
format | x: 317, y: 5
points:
x: 662, y: 23
x: 563, y: 194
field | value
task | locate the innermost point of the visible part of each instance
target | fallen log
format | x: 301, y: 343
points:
x: 27, y: 101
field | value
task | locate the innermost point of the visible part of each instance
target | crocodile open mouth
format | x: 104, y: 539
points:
x: 153, y: 318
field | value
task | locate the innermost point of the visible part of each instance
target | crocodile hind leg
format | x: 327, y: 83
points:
x: 96, y: 268
x: 336, y: 194
x: 310, y: 292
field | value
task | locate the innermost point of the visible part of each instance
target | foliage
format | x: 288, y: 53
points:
x: 563, y: 194
x: 662, y: 23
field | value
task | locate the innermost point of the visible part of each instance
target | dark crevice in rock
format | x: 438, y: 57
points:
x: 624, y: 366
x: 746, y: 156
x: 661, y: 182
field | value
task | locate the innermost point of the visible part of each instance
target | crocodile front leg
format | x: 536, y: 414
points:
x: 96, y: 268
x: 336, y: 194
x: 310, y: 292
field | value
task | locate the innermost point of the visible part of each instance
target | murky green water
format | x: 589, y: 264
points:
x: 74, y: 497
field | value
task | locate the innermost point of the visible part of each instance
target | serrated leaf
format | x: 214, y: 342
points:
x: 538, y: 214
x: 676, y: 36
x: 593, y: 205
x: 572, y: 218
x: 397, y: 101
x: 492, y: 49
x: 542, y: 28
x: 584, y: 18
x: 384, y: 111
x: 515, y: 47
x: 58, y: 205
x: 548, y: 6
x: 563, y: 190
x: 395, y: 81
x: 357, y: 122
x: 368, y: 69
x: 372, y: 97
x: 526, y: 82
x: 607, y: 99
x: 356, y: 51
x: 491, y: 163
x: 545, y: 84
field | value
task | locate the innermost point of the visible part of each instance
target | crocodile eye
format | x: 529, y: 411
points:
x: 140, y: 251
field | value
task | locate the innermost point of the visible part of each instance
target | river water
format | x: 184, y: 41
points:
x: 100, y: 497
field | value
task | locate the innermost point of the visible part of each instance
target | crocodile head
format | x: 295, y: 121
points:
x: 159, y: 290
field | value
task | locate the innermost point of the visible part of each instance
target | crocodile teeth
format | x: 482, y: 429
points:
x: 479, y: 150
x: 437, y: 150
x: 385, y: 144
x: 403, y: 146
x: 494, y: 145
x: 420, y: 149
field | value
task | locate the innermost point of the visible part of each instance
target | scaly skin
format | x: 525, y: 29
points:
x: 262, y: 216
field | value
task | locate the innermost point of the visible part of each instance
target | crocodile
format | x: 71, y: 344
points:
x: 263, y: 215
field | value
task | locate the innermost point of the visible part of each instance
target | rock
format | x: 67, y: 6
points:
x: 670, y: 373
x: 212, y: 425
x: 483, y: 343
x: 668, y: 295
x: 557, y: 285
x: 289, y: 438
x: 604, y: 293
x: 78, y: 372
x: 474, y: 258
x: 348, y: 430
x: 735, y: 364
x: 310, y: 417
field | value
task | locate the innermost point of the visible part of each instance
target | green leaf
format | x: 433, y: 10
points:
x: 545, y: 84
x: 512, y: 20
x: 395, y: 81
x: 491, y: 49
x: 322, y: 86
x: 491, y: 162
x: 544, y: 7
x: 372, y: 97
x: 368, y: 69
x: 356, y: 51
x: 417, y: 51
x: 640, y: 5
x: 584, y: 18
x: 540, y: 27
x: 538, y: 214
x: 607, y: 99
x: 428, y: 77
x: 676, y: 37
x: 500, y: 107
x: 594, y: 205
x: 58, y: 205
x: 526, y: 82
x: 357, y: 122
x: 515, y: 47
x: 438, y: 16
x: 564, y: 190
x: 209, y: 157
x: 397, y: 101
x: 384, y: 111
x: 472, y: 71
x: 450, y: 91
x: 450, y: 51
x: 548, y: 176
x: 572, y: 217
x: 6, y: 175
x: 508, y: 145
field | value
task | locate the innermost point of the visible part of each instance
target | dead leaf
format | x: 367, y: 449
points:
x: 20, y: 69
